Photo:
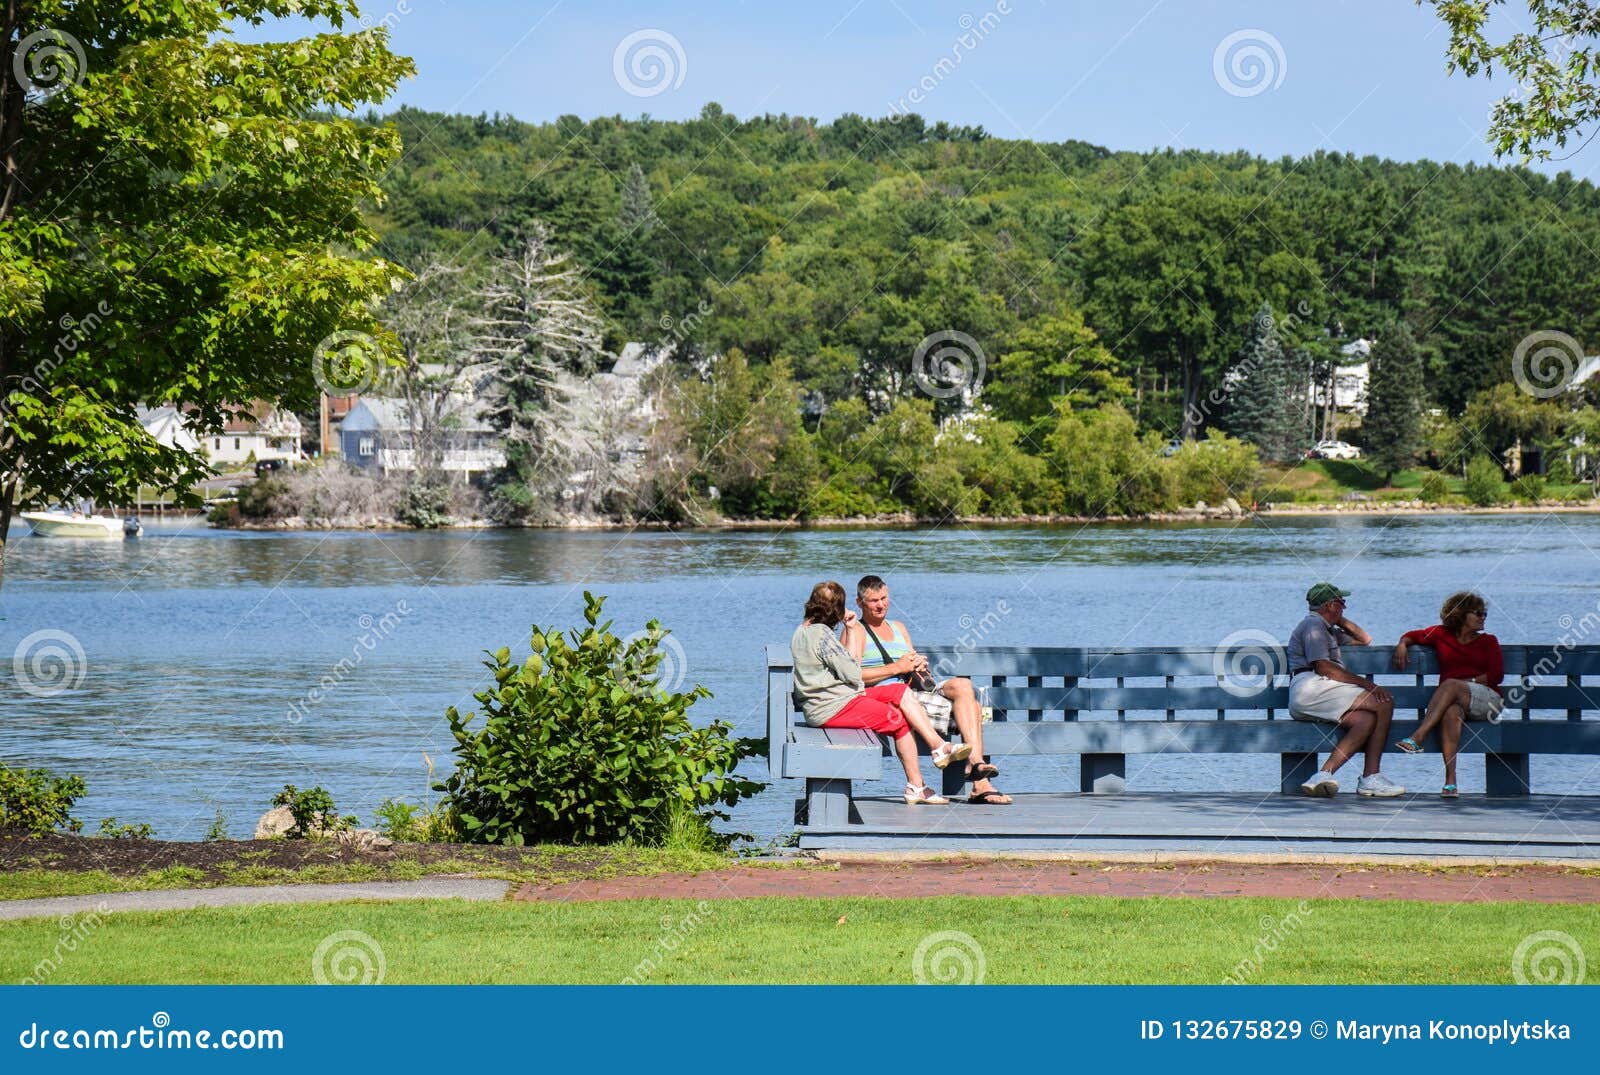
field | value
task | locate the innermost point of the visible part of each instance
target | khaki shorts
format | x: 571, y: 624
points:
x: 939, y: 709
x: 1318, y: 698
x: 1485, y: 704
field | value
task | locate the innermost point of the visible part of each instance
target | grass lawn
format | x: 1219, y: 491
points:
x: 1330, y: 480
x: 1022, y: 940
x: 32, y: 877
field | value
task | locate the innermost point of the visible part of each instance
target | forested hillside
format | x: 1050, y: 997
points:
x: 817, y: 257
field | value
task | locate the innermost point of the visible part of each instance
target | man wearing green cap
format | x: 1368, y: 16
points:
x: 1322, y: 689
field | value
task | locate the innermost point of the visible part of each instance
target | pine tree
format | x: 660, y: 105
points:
x: 1264, y: 403
x: 1393, y: 425
x: 638, y: 214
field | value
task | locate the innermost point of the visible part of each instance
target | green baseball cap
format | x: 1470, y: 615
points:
x: 1322, y: 593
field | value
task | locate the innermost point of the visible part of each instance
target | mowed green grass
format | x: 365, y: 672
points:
x: 1016, y: 939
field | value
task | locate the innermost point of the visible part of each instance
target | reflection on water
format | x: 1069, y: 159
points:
x: 203, y: 648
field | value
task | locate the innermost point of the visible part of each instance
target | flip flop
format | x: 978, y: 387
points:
x: 1410, y: 746
x: 989, y: 798
x: 982, y: 771
x: 1449, y: 792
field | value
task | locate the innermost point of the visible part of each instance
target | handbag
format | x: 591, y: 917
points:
x: 921, y: 682
x: 936, y: 705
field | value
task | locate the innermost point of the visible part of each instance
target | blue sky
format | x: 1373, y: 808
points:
x: 1363, y: 76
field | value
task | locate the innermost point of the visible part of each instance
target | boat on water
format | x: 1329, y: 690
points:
x: 75, y: 524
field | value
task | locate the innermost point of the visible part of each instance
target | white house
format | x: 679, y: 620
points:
x: 168, y: 427
x: 263, y: 433
x: 1349, y: 379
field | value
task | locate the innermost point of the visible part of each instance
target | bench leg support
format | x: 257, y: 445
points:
x: 953, y: 780
x: 1505, y: 774
x: 827, y: 802
x: 1103, y: 773
x: 1297, y: 768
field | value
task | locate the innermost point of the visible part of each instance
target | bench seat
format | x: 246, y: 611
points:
x: 1100, y: 705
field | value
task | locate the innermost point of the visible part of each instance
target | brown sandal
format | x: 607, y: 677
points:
x: 982, y: 771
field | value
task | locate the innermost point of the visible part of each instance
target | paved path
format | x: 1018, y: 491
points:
x: 179, y: 899
x: 1541, y: 884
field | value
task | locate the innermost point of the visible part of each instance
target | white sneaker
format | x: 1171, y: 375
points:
x: 1378, y: 786
x: 1321, y: 784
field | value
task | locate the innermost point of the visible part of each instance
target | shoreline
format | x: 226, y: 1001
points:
x: 907, y: 521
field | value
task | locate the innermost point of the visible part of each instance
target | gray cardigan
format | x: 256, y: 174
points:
x: 826, y: 677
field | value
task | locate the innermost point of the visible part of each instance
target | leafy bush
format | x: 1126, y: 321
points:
x: 1215, y: 469
x: 37, y: 801
x: 314, y: 812
x: 1435, y: 490
x: 110, y: 830
x: 413, y: 823
x: 1104, y: 467
x: 268, y: 497
x: 580, y: 743
x: 424, y: 505
x: 1529, y: 488
x: 1483, y: 485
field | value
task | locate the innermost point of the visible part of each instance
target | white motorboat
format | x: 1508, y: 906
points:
x: 77, y: 525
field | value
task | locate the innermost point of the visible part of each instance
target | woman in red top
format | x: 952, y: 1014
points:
x: 1470, y: 670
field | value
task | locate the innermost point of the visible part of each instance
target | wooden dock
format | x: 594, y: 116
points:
x: 1473, y: 826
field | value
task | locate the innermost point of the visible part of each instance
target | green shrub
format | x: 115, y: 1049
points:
x: 1215, y: 469
x: 313, y: 811
x: 1104, y: 467
x: 110, y: 830
x: 1559, y: 472
x: 37, y: 801
x: 413, y: 823
x: 1483, y: 485
x: 267, y: 497
x: 424, y: 505
x: 580, y: 743
x: 1529, y: 488
x: 1435, y: 490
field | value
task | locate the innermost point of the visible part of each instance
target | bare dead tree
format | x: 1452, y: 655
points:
x: 535, y: 319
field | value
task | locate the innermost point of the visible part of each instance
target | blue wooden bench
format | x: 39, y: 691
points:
x: 1104, y: 704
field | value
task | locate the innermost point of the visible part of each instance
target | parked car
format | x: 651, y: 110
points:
x: 1333, y: 449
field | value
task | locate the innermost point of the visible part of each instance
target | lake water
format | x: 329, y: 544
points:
x: 200, y: 647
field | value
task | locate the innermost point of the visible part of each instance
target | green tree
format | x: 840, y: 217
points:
x: 1178, y: 275
x: 1504, y: 420
x: 1105, y: 467
x: 177, y: 222
x: 1054, y: 359
x: 1267, y: 403
x: 1393, y: 425
x: 726, y: 432
x: 1554, y: 63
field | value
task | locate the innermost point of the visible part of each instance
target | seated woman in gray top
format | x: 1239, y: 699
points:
x: 829, y: 691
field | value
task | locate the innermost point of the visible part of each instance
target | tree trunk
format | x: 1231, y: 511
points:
x: 1191, y: 398
x: 8, y: 494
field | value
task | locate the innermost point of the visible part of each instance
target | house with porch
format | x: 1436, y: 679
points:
x: 379, y: 436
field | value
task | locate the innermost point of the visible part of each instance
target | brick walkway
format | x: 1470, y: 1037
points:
x: 1541, y: 884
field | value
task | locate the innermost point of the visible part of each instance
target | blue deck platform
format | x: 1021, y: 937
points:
x: 1473, y: 826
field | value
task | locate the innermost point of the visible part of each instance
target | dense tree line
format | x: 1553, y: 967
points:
x: 1105, y: 291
